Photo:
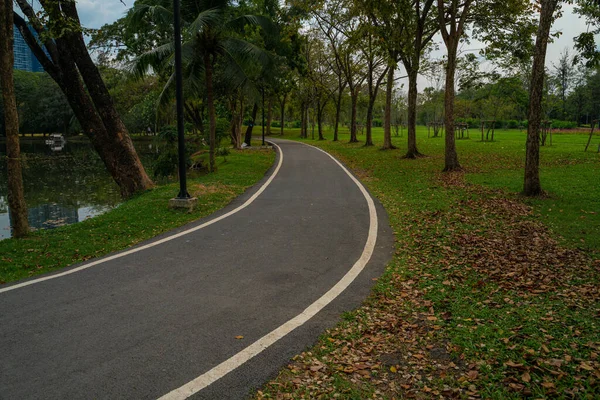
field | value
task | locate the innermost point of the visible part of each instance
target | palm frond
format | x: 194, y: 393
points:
x: 154, y: 59
x: 242, y: 51
x: 166, y: 95
x: 265, y: 23
x: 157, y: 13
x: 234, y: 74
x: 207, y: 18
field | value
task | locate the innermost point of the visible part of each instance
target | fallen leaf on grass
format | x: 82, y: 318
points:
x: 513, y: 365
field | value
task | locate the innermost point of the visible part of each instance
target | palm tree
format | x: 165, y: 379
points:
x: 211, y: 35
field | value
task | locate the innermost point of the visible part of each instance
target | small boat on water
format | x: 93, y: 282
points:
x: 56, y: 141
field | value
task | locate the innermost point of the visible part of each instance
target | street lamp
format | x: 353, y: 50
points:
x: 183, y: 199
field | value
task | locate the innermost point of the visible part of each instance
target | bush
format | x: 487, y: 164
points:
x: 222, y: 131
x: 168, y: 133
x: 166, y: 163
x: 564, y: 124
x: 472, y: 123
x: 222, y: 151
x: 511, y: 124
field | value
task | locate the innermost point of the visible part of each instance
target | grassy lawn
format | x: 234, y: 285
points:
x: 135, y: 220
x: 489, y: 294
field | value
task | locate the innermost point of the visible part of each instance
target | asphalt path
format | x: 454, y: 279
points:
x: 144, y: 324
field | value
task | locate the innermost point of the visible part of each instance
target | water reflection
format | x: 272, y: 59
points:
x: 65, y: 182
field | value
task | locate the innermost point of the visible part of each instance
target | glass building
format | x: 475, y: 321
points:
x: 24, y: 58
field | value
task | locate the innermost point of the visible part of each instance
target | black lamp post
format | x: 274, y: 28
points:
x: 183, y: 193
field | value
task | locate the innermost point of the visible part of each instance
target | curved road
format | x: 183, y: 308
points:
x: 150, y: 323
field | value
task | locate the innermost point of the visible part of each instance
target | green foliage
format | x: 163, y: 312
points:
x: 41, y: 105
x: 564, y: 124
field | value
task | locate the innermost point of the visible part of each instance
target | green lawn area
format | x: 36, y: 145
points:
x: 135, y: 220
x: 489, y: 294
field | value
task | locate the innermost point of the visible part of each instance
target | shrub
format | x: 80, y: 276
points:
x: 222, y: 131
x: 512, y: 124
x: 564, y: 124
x: 168, y: 133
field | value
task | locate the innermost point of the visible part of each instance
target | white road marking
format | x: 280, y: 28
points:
x: 156, y: 243
x: 263, y: 343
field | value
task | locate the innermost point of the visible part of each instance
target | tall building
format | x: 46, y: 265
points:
x: 24, y: 58
x: 23, y: 55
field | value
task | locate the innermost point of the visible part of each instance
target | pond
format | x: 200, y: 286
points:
x: 65, y: 182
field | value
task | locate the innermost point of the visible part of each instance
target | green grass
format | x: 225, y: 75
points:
x: 523, y: 302
x: 570, y: 177
x: 135, y: 220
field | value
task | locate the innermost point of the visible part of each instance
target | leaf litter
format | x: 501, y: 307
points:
x: 480, y: 301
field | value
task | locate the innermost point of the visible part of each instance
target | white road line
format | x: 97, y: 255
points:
x: 161, y: 241
x: 263, y: 343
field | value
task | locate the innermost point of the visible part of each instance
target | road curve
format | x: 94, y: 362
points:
x: 151, y: 322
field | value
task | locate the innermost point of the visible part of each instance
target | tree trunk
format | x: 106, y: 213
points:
x: 116, y: 155
x: 369, y: 122
x: 248, y: 136
x: 320, y: 109
x: 283, y: 112
x: 269, y: 115
x: 137, y: 179
x: 304, y: 125
x: 354, y: 98
x: 212, y: 120
x: 99, y: 119
x: 387, y: 123
x: 412, y: 152
x: 451, y: 157
x: 16, y: 194
x: 532, y: 186
x: 302, y: 120
x: 338, y: 111
x: 235, y: 132
x: 240, y: 120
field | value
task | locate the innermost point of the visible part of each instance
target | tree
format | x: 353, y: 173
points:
x: 388, y: 26
x: 452, y: 18
x: 343, y: 29
x: 321, y: 77
x: 377, y: 68
x: 532, y: 186
x: 325, y: 19
x: 209, y: 38
x: 563, y: 75
x: 16, y: 194
x: 497, y: 23
x: 68, y: 62
x: 420, y: 21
